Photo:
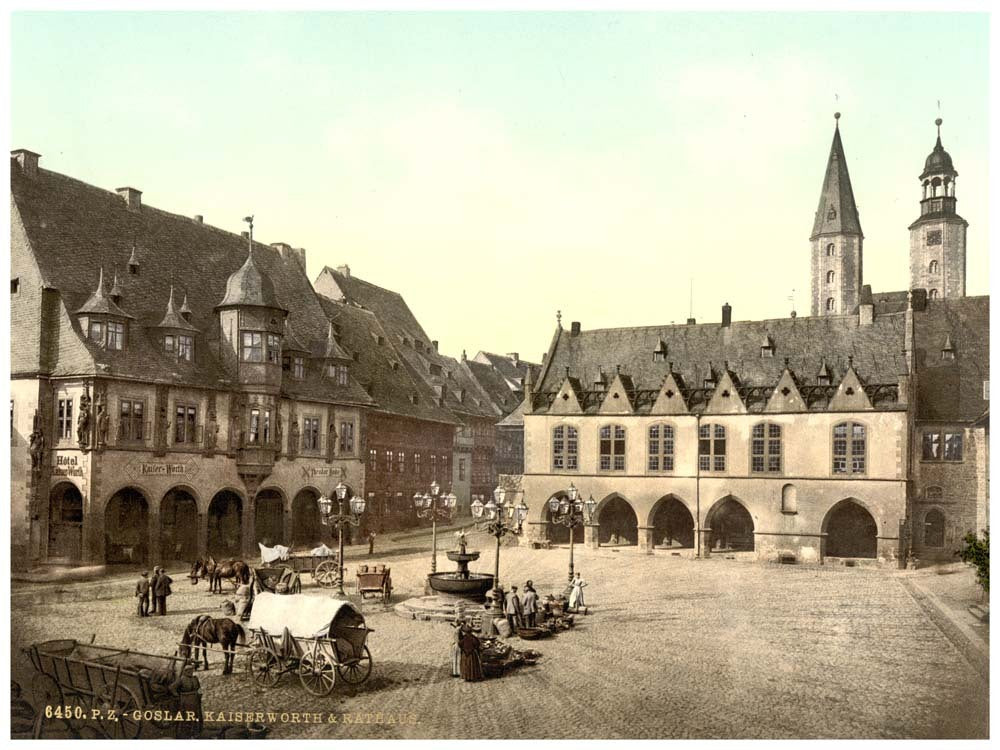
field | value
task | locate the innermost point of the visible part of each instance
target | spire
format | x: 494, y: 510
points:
x: 185, y: 310
x: 116, y: 290
x: 837, y: 212
x: 99, y: 303
x: 938, y: 162
x: 173, y: 319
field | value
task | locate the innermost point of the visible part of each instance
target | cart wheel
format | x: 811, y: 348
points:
x: 115, y: 717
x: 357, y: 671
x: 79, y: 710
x: 45, y: 692
x: 264, y: 668
x: 297, y: 586
x: 317, y: 673
x: 325, y: 574
x: 386, y: 590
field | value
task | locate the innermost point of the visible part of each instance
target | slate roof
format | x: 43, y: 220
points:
x: 515, y: 374
x: 952, y: 390
x: 75, y: 230
x: 248, y: 286
x: 838, y: 195
x: 939, y: 160
x: 695, y: 350
x: 495, y: 385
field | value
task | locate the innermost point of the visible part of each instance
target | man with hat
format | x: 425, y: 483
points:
x: 161, y: 589
x: 142, y: 593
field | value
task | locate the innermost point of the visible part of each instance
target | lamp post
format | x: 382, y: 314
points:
x: 341, y: 520
x: 499, y: 519
x: 570, y: 511
x: 431, y: 505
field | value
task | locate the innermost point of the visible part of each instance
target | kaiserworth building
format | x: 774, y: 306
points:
x: 861, y: 432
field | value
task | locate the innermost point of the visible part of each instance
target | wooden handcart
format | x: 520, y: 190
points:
x: 375, y: 582
x: 321, y: 568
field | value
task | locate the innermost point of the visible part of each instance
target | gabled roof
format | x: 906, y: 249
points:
x: 837, y: 212
x: 495, y: 385
x: 513, y: 372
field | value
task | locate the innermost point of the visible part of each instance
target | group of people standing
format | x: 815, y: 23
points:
x: 153, y: 591
x: 521, y: 610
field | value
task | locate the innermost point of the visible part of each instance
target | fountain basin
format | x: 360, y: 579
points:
x: 474, y: 586
x: 461, y: 557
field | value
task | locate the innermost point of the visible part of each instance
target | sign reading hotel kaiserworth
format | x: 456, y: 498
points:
x: 68, y: 465
x: 322, y: 471
x: 141, y: 469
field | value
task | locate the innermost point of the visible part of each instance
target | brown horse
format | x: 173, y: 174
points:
x: 203, y: 630
x: 235, y: 571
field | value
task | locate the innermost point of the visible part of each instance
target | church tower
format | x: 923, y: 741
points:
x: 937, y: 238
x: 836, y: 239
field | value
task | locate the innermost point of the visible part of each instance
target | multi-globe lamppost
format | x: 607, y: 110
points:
x: 570, y: 511
x: 499, y: 519
x: 341, y: 520
x: 435, y: 506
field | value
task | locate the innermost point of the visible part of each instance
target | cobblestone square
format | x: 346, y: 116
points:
x: 673, y: 648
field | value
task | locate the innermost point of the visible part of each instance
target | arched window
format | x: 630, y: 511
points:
x: 849, y: 448
x: 765, y: 448
x: 934, y: 528
x: 564, y: 448
x: 712, y: 447
x: 831, y: 304
x: 661, y: 447
x: 612, y: 446
x: 933, y: 268
x: 789, y: 499
x: 830, y: 250
x: 933, y: 294
x: 830, y: 276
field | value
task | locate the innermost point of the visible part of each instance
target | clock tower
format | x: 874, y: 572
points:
x: 937, y: 238
x: 836, y: 239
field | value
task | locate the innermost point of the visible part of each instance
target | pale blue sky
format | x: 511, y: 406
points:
x: 495, y: 167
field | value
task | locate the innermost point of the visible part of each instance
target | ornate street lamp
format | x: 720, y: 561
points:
x: 570, y: 511
x: 340, y: 519
x: 431, y: 505
x: 499, y: 519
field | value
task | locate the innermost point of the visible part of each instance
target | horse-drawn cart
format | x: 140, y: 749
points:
x: 115, y: 693
x: 316, y: 637
x: 321, y: 568
x: 375, y: 581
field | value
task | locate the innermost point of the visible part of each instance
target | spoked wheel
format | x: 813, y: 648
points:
x: 45, y: 692
x: 116, y: 713
x: 356, y: 671
x: 317, y: 673
x: 325, y: 574
x: 264, y: 668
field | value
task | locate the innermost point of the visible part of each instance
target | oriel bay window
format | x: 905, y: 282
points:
x: 185, y: 347
x: 260, y: 426
x: 661, y: 447
x: 273, y: 348
x: 565, y: 448
x: 346, y: 446
x: 612, y: 446
x: 849, y: 446
x: 711, y: 447
x: 252, y: 346
x: 765, y: 448
x: 942, y: 445
x: 310, y: 433
x: 185, y: 423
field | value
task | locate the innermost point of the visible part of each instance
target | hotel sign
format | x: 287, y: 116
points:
x: 67, y: 465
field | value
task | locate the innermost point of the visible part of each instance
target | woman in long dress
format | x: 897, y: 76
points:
x: 471, y: 664
x: 576, y: 594
x: 455, y: 650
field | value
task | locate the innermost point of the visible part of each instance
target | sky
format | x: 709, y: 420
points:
x: 497, y: 167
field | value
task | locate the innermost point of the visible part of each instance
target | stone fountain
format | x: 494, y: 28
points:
x: 455, y: 592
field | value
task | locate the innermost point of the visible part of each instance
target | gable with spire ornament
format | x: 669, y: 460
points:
x: 617, y: 399
x: 786, y: 396
x: 670, y: 400
x: 726, y: 398
x: 567, y: 400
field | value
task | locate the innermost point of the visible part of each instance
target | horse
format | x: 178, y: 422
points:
x: 203, y: 630
x: 235, y: 571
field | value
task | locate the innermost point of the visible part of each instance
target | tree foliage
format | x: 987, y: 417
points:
x: 976, y: 552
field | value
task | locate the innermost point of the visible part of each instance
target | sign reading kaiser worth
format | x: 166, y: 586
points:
x: 67, y: 465
x: 146, y: 469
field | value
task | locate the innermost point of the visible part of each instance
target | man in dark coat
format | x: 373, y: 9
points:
x: 142, y: 594
x: 530, y: 604
x: 152, y: 589
x: 512, y: 608
x: 162, y: 591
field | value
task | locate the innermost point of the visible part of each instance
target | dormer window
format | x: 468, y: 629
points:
x: 435, y: 369
x: 185, y: 347
x: 169, y: 344
x: 948, y: 350
x: 767, y: 347
x: 97, y: 332
x: 298, y: 368
x: 252, y: 349
x: 823, y: 380
x: 338, y: 373
x: 381, y: 340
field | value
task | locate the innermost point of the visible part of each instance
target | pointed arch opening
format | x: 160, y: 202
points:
x: 851, y: 531
x: 225, y: 524
x: 307, y: 524
x: 934, y: 528
x: 126, y: 527
x: 673, y: 524
x: 269, y: 517
x: 732, y: 526
x: 178, y: 525
x: 617, y: 522
x: 65, y: 523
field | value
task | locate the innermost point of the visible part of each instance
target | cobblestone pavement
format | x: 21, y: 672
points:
x: 673, y: 648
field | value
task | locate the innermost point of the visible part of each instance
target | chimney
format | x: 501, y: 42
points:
x: 344, y: 270
x: 28, y: 161
x: 133, y: 197
x: 199, y: 218
x: 245, y: 234
x: 727, y: 315
x: 574, y: 328
x: 690, y: 321
x: 435, y: 345
x: 866, y: 307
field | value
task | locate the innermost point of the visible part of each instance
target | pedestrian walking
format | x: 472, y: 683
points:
x: 530, y: 604
x: 576, y: 593
x: 512, y: 608
x: 142, y: 593
x: 371, y: 542
x: 470, y: 664
x: 162, y: 591
x: 152, y: 589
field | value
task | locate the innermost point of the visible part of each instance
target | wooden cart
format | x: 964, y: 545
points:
x: 321, y: 568
x: 375, y: 581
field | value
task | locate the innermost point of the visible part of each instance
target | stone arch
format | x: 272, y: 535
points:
x: 672, y: 522
x: 126, y: 527
x: 732, y: 527
x: 307, y: 525
x: 225, y: 523
x: 557, y: 533
x: 617, y: 521
x: 850, y: 530
x: 789, y: 499
x: 65, y: 522
x: 179, y: 524
x: 934, y: 523
x: 269, y: 516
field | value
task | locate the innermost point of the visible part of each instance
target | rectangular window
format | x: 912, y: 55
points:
x: 941, y: 446
x: 711, y: 447
x: 168, y: 344
x: 185, y: 423
x: 64, y: 430
x: 267, y: 426
x: 660, y: 448
x: 932, y: 446
x: 388, y: 462
x: 130, y: 420
x: 97, y: 332
x: 953, y: 446
x: 612, y: 446
x: 434, y: 459
x: 373, y: 459
x: 347, y: 438
x: 765, y: 448
x: 298, y: 368
x: 341, y: 374
x: 116, y: 336
x: 849, y: 448
x: 401, y: 462
x: 252, y: 347
x: 461, y: 470
x: 15, y: 286
x: 185, y: 347
x: 273, y: 348
x: 310, y: 433
x: 254, y: 436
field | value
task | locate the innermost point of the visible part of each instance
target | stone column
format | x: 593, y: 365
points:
x: 202, y: 534
x: 646, y: 539
x: 247, y: 530
x: 706, y: 540
x: 286, y: 526
x: 534, y: 531
x: 155, y: 554
x: 887, y: 550
x: 591, y: 536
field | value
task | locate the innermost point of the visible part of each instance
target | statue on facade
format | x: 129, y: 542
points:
x: 102, y: 426
x: 211, y: 430
x: 162, y: 425
x: 234, y: 431
x: 277, y: 430
x: 83, y: 421
x: 293, y: 435
x: 36, y: 448
x: 331, y: 439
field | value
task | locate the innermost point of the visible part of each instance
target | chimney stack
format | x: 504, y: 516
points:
x: 28, y: 161
x: 245, y: 234
x: 199, y: 218
x: 690, y: 321
x: 344, y: 270
x: 435, y: 345
x: 866, y: 307
x: 574, y: 328
x: 132, y: 197
x: 727, y: 315
x: 515, y: 358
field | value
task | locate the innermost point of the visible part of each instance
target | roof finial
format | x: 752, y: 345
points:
x: 559, y: 318
x: 938, y: 122
x: 836, y: 118
x: 99, y: 292
x: 249, y: 220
